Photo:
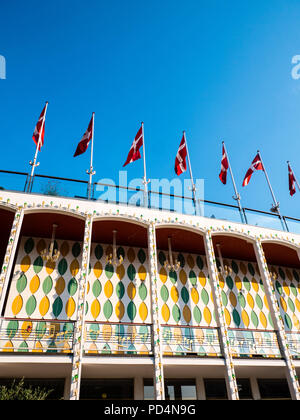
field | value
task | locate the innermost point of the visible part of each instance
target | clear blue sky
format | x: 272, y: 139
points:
x: 219, y: 69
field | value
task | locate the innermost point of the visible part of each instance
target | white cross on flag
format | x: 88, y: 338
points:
x: 292, y: 181
x: 85, y: 141
x: 134, y: 152
x: 39, y: 131
x: 256, y: 165
x: 180, y: 161
x: 224, y: 166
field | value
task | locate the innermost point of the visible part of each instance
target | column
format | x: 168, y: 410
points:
x: 230, y: 378
x: 10, y: 254
x: 158, y: 379
x: 278, y: 322
x: 79, y: 331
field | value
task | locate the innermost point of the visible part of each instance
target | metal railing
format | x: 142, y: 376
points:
x: 254, y: 343
x: 36, y: 336
x: 118, y: 339
x: 118, y: 194
x: 103, y: 338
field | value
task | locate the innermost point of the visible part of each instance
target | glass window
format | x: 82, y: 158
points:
x: 274, y: 389
x: 215, y: 389
x: 244, y: 389
x: 106, y: 389
x: 175, y: 389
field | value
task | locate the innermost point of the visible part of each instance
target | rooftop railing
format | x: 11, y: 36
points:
x: 118, y: 194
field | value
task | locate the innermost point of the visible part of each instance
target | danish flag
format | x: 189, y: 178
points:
x: 255, y: 166
x: 180, y: 160
x: 134, y: 152
x: 224, y: 166
x: 292, y: 181
x: 85, y: 141
x: 39, y: 131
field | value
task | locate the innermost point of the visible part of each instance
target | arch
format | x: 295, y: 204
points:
x: 124, y: 217
x: 184, y: 238
x: 7, y: 217
x: 55, y: 210
x: 39, y: 222
x: 279, y: 252
x: 130, y: 232
x: 236, y: 245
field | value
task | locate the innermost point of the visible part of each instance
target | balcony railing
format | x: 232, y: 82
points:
x: 254, y: 343
x: 36, y: 336
x: 104, y: 338
x: 103, y: 192
x: 190, y: 341
x: 118, y: 339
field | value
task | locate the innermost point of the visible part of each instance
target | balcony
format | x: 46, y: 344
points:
x: 118, y: 194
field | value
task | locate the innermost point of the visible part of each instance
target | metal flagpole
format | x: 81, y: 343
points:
x: 90, y: 171
x: 237, y: 196
x: 34, y: 163
x: 275, y: 208
x: 288, y: 162
x: 191, y: 175
x: 145, y: 182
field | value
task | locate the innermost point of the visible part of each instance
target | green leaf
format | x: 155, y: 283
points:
x: 21, y: 283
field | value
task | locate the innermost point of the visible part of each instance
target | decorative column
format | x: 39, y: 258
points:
x: 158, y: 378
x: 10, y: 254
x: 230, y: 378
x: 278, y: 322
x: 79, y: 331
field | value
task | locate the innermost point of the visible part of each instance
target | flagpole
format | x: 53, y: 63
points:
x: 191, y: 174
x: 33, y: 163
x: 288, y: 162
x: 145, y: 182
x: 275, y: 208
x: 91, y: 172
x: 237, y: 196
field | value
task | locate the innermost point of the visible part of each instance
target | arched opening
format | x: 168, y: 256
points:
x: 42, y: 293
x: 284, y: 268
x: 243, y: 298
x: 186, y: 306
x: 6, y: 217
x: 279, y: 254
x: 119, y: 316
x: 39, y: 225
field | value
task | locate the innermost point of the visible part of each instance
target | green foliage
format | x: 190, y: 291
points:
x: 19, y: 391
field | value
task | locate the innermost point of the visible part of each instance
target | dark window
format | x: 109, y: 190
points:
x: 244, y: 389
x: 274, y: 389
x: 215, y: 389
x: 106, y: 389
x: 175, y: 389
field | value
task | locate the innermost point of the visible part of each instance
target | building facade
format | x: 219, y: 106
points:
x: 104, y: 301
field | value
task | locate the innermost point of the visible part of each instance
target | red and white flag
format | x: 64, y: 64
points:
x: 292, y: 181
x: 39, y: 131
x: 256, y: 165
x: 224, y: 166
x: 134, y: 152
x: 180, y: 160
x: 85, y: 141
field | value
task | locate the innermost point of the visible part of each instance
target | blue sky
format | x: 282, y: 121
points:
x: 221, y: 70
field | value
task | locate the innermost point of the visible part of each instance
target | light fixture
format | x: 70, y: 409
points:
x: 51, y: 254
x: 113, y: 258
x: 273, y: 274
x: 223, y: 269
x: 170, y: 264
